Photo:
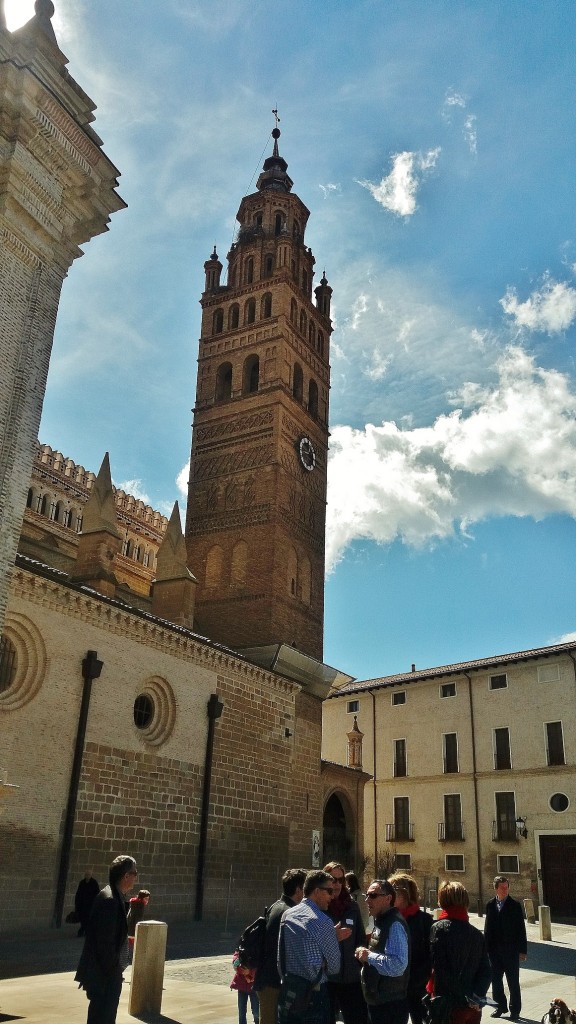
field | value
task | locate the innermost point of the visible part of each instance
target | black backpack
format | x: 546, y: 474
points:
x: 251, y: 943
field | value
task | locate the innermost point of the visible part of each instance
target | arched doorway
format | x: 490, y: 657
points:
x: 337, y: 843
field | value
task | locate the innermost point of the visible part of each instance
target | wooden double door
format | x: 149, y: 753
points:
x: 558, y: 868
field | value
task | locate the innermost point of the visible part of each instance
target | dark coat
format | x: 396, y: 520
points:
x: 460, y: 961
x: 106, y: 935
x: 350, y: 966
x: 505, y: 929
x: 86, y: 893
x: 419, y: 925
x: 267, y: 974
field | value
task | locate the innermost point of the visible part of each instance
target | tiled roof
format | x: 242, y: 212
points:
x: 403, y: 678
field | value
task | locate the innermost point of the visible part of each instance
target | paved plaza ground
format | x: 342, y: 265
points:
x: 196, y: 986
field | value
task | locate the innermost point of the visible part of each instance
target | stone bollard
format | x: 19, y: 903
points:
x: 529, y: 911
x: 545, y: 923
x: 148, y: 968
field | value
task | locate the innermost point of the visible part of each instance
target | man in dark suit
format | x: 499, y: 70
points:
x: 105, y: 953
x: 505, y: 934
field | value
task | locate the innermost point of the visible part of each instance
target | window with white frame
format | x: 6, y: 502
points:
x: 450, y: 752
x: 448, y: 690
x: 554, y: 743
x: 352, y: 707
x: 508, y: 864
x: 548, y: 673
x: 454, y: 862
x: 398, y: 697
x: 499, y: 682
x: 400, y: 759
x: 502, y: 756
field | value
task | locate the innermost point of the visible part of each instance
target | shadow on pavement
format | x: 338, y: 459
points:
x: 551, y: 958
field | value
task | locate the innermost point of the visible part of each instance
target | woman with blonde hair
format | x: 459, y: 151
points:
x: 419, y: 924
x: 344, y: 989
x: 461, y: 969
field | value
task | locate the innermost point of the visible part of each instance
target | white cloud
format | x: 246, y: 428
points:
x: 397, y: 192
x: 182, y: 480
x: 470, y: 133
x: 452, y: 99
x: 134, y: 487
x: 509, y: 450
x: 330, y: 187
x: 566, y: 638
x: 550, y: 308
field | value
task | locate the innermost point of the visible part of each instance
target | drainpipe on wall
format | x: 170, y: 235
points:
x: 476, y: 811
x: 371, y: 692
x: 214, y: 708
x: 91, y: 669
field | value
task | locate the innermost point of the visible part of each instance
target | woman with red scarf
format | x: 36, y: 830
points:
x: 419, y: 924
x: 344, y: 988
x: 461, y: 969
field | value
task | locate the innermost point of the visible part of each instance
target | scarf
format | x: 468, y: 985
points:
x: 410, y: 910
x: 339, y: 905
x: 454, y: 913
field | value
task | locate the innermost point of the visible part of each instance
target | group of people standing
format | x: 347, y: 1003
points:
x: 324, y: 961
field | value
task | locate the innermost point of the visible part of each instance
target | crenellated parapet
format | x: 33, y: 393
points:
x: 58, y: 492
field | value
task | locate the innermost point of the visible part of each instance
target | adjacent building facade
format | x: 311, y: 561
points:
x: 473, y: 772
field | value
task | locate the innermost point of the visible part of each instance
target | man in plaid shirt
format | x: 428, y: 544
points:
x: 307, y: 952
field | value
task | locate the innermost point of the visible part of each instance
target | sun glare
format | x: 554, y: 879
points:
x: 18, y: 12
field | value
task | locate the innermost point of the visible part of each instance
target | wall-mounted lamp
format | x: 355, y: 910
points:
x: 521, y: 827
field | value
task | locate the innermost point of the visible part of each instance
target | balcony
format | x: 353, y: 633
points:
x: 400, y: 832
x: 450, y: 831
x: 505, y: 831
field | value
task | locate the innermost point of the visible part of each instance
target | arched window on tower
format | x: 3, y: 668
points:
x: 298, y: 382
x: 213, y: 571
x: 223, y: 382
x: 292, y: 580
x: 233, y: 316
x: 313, y: 398
x: 293, y: 311
x: 266, y: 306
x: 305, y: 580
x: 320, y: 343
x: 278, y: 223
x: 218, y: 321
x: 303, y: 322
x: 239, y: 563
x: 30, y: 498
x: 268, y: 266
x: 43, y: 504
x: 251, y: 374
x: 250, y: 311
x: 249, y: 272
x: 311, y: 333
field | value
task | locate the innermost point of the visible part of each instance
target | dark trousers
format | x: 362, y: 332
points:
x: 103, y: 1005
x: 506, y: 962
x: 316, y: 1012
x: 389, y: 1013
x: 415, y: 996
x: 349, y: 999
x: 243, y: 998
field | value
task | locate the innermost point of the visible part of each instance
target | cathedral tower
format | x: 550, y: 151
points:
x: 257, y: 491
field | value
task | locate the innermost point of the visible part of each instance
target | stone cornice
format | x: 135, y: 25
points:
x: 86, y: 605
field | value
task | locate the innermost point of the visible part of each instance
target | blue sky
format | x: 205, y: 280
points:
x: 435, y: 145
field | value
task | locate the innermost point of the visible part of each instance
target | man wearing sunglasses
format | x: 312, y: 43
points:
x: 386, y: 962
x: 105, y: 953
x: 308, y: 951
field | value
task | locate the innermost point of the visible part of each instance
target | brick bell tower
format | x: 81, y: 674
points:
x: 257, y: 491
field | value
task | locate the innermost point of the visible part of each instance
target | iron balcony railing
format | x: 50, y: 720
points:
x: 400, y: 833
x: 505, y: 831
x: 453, y: 830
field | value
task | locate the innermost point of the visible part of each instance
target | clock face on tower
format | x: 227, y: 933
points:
x: 306, y: 454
